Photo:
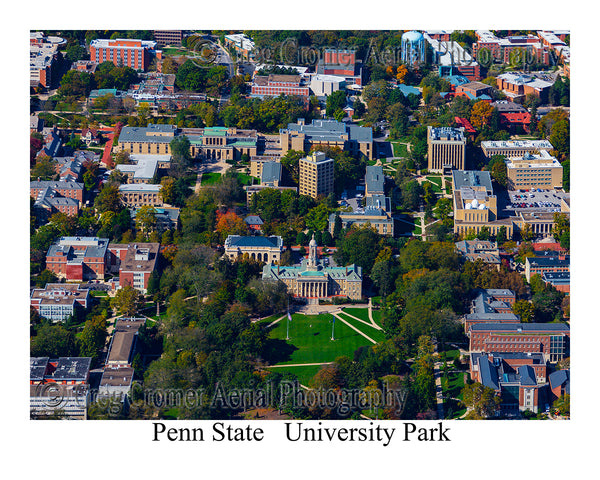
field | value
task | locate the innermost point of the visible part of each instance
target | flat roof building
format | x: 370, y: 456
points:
x: 136, y: 54
x: 514, y: 148
x: 445, y: 149
x: 58, y: 301
x: 316, y: 175
x: 534, y: 171
x: 350, y: 138
x: 140, y: 194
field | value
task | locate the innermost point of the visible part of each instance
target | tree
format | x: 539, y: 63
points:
x: 336, y: 101
x: 145, y: 219
x: 317, y: 218
x: 44, y: 169
x: 359, y: 247
x: 108, y: 199
x: 230, y: 224
x: 524, y: 309
x: 53, y: 341
x: 481, y: 401
x: 128, y: 301
x: 45, y: 277
x: 180, y: 156
x: 93, y: 337
x: 481, y: 114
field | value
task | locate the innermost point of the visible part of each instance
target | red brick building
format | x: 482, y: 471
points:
x: 65, y: 189
x: 136, y: 54
x: 134, y: 262
x: 550, y: 339
x: 78, y: 258
x: 519, y: 379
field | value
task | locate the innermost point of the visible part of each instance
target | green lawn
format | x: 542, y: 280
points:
x: 371, y: 332
x: 310, y: 339
x: 210, y: 178
x: 400, y: 149
x: 362, y: 313
x: 452, y: 388
x: 304, y: 373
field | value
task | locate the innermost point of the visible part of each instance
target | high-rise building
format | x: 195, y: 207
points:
x: 316, y: 175
x: 445, y: 148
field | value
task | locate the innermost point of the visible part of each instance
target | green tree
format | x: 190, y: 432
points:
x: 481, y: 401
x: 93, y: 337
x: 108, y: 199
x: 524, y: 309
x: 53, y: 341
x: 145, y: 219
x: 317, y: 218
x: 128, y: 301
x: 335, y: 101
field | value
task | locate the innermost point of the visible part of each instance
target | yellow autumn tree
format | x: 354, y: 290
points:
x: 481, y: 114
x: 401, y: 73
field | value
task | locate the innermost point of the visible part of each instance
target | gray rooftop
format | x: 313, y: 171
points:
x: 152, y: 133
x: 522, y: 327
x: 271, y: 172
x: 374, y: 178
x: 327, y: 129
x: 472, y: 179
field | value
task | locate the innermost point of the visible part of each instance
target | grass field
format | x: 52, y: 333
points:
x: 451, y: 387
x: 400, y: 149
x: 304, y: 373
x: 210, y: 178
x: 310, y: 340
x: 371, y: 332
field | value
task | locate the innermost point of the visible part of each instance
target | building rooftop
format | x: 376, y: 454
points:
x: 332, y: 130
x: 140, y: 187
x: 71, y: 369
x: 374, y: 178
x: 233, y: 241
x: 59, y: 294
x: 446, y: 134
x: 271, y: 173
x: 522, y: 327
x: 472, y: 179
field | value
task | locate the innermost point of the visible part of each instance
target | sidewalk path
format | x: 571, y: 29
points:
x: 354, y: 328
x: 372, y: 324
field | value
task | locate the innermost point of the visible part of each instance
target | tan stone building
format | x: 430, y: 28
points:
x: 263, y: 249
x: 475, y: 205
x: 330, y: 133
x: 514, y: 148
x: 316, y: 175
x: 445, y: 148
x: 534, y: 171
x: 312, y: 279
x: 138, y: 195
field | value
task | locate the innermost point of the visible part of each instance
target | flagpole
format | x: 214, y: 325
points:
x: 287, y: 335
x: 333, y: 328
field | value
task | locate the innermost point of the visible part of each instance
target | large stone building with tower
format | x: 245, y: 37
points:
x: 313, y: 280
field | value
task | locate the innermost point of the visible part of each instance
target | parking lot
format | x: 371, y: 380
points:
x: 541, y: 200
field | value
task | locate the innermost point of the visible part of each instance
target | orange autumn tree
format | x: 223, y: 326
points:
x: 230, y: 224
x: 481, y: 114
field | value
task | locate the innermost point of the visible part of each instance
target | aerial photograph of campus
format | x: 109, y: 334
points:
x: 299, y: 225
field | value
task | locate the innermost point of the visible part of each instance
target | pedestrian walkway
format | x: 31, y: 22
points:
x: 354, y: 328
